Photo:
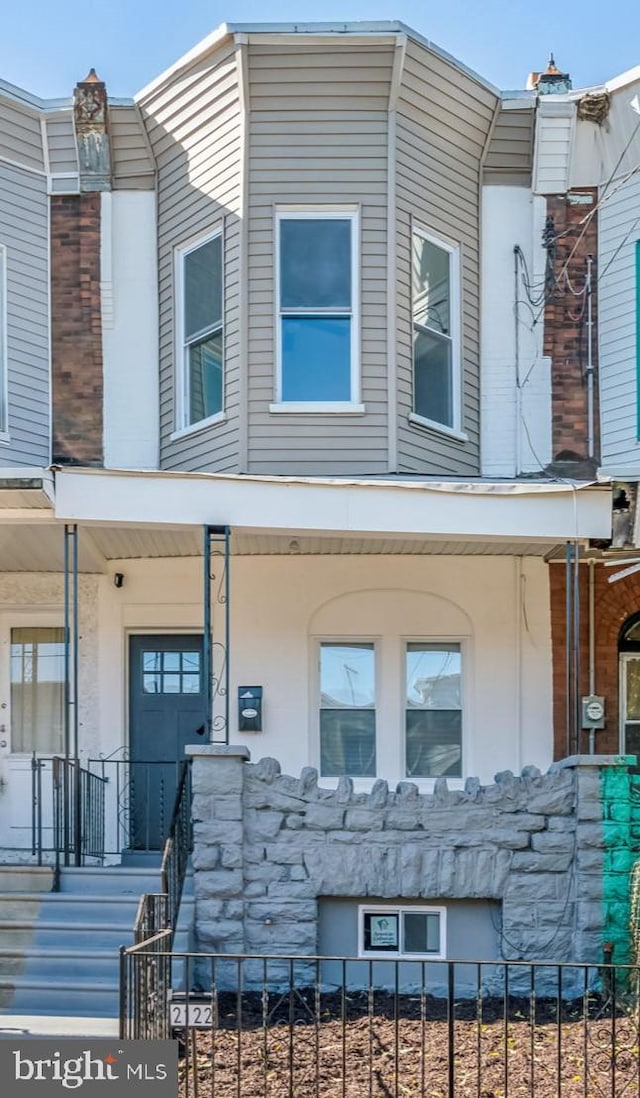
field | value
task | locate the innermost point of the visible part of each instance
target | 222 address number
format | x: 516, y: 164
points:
x: 192, y: 1015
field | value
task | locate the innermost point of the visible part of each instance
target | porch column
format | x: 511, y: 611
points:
x: 216, y: 564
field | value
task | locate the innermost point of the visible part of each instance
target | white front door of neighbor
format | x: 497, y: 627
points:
x: 31, y: 720
x: 630, y: 703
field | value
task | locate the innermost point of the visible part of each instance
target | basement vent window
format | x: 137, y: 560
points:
x: 416, y: 933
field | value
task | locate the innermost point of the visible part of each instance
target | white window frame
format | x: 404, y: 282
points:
x: 182, y: 425
x: 453, y: 249
x: 401, y: 910
x: 353, y: 406
x: 375, y: 642
x: 4, y: 351
x: 420, y: 779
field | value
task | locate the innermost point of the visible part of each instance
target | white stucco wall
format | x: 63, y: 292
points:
x: 129, y: 284
x: 496, y: 607
x: 516, y: 435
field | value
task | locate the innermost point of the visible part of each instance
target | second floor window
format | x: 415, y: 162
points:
x: 200, y: 340
x: 317, y: 307
x: 436, y: 382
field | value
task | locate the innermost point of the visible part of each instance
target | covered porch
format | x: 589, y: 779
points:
x: 396, y: 630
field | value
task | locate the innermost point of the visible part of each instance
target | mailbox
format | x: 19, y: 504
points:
x: 249, y: 709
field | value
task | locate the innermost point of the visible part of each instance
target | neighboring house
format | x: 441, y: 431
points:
x: 287, y: 328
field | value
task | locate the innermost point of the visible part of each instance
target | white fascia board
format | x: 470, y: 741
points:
x: 485, y: 512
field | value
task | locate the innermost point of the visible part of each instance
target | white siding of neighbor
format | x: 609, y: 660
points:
x: 194, y: 126
x: 130, y: 330
x: 512, y: 216
x: 615, y: 145
x: 444, y: 118
x: 617, y: 323
x: 24, y: 232
x: 553, y: 146
x: 318, y: 135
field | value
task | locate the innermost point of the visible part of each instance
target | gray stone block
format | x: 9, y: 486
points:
x: 404, y: 819
x: 344, y: 792
x: 217, y: 831
x: 267, y: 769
x: 590, y: 859
x: 290, y: 847
x: 363, y: 819
x: 324, y: 817
x: 302, y: 911
x: 292, y: 890
x: 589, y: 916
x: 308, y: 780
x: 539, y: 887
x: 262, y: 825
x: 280, y: 937
x: 549, y: 842
x: 218, y: 930
x: 589, y: 835
x: 220, y: 882
x: 379, y: 794
x: 205, y: 857
x: 529, y: 861
x: 227, y: 808
x: 253, y: 889
x: 231, y: 857
x: 217, y: 775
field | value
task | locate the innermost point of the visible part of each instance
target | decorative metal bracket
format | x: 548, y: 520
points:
x: 216, y: 632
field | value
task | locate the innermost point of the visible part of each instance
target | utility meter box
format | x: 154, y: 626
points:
x: 249, y: 709
x: 593, y: 711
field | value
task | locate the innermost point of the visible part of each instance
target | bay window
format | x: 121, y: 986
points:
x: 436, y: 353
x: 200, y: 326
x: 317, y: 307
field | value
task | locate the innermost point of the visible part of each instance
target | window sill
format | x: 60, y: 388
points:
x: 201, y: 425
x: 441, y: 428
x: 317, y: 408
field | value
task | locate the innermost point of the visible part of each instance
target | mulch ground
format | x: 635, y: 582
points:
x: 370, y: 1052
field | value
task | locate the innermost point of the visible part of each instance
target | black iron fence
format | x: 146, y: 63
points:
x: 294, y: 1027
x: 68, y: 811
x: 177, y: 849
x: 99, y: 807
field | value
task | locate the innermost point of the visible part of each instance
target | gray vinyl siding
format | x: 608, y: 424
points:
x: 443, y: 120
x: 509, y: 157
x: 24, y: 231
x: 20, y: 136
x: 618, y: 327
x: 194, y: 126
x: 131, y: 162
x: 318, y: 135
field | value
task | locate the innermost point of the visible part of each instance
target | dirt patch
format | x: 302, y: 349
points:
x: 386, y: 1048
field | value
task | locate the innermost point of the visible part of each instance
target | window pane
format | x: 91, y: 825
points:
x: 203, y: 288
x: 190, y: 661
x: 37, y: 690
x: 347, y: 675
x: 151, y: 684
x: 421, y: 933
x: 381, y: 931
x: 433, y: 377
x: 315, y: 263
x: 434, y: 743
x: 348, y: 742
x: 433, y: 676
x: 171, y: 684
x: 431, y: 286
x: 190, y: 684
x: 316, y: 358
x: 151, y: 661
x: 171, y: 661
x: 205, y: 378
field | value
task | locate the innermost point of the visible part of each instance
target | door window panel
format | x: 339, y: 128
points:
x: 173, y: 672
x: 37, y: 690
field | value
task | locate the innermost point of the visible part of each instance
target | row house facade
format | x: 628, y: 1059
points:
x: 302, y: 441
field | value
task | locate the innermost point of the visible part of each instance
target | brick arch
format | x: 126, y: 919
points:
x: 614, y: 603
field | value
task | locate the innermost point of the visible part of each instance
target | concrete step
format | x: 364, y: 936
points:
x: 116, y: 880
x: 25, y: 878
x: 57, y: 935
x: 71, y: 998
x: 59, y: 965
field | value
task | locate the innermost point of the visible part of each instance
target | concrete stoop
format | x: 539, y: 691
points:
x: 59, y: 951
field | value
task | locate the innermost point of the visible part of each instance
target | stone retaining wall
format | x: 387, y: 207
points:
x: 267, y: 846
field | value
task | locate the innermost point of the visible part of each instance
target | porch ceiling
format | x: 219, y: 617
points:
x: 39, y: 548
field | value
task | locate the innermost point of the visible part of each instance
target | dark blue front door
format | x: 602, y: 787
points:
x: 166, y: 707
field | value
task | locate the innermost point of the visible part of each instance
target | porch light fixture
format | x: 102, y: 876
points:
x: 118, y: 579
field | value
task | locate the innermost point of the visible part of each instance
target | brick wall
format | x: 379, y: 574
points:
x: 565, y: 331
x: 76, y: 334
x: 614, y: 603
